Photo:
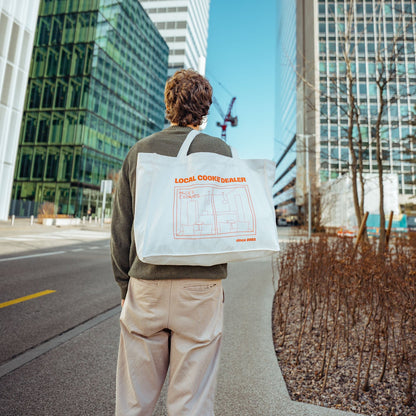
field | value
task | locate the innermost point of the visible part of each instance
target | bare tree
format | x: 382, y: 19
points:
x: 353, y: 113
x: 372, y: 43
x: 390, y: 69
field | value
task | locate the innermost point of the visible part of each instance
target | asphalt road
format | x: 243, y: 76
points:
x: 81, y: 278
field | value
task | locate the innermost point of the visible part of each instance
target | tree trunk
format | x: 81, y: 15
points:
x: 379, y: 157
x: 361, y: 173
x: 351, y: 119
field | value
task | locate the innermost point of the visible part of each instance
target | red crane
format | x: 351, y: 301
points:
x: 228, y: 118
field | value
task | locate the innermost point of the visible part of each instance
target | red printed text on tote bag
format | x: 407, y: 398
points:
x: 213, y: 211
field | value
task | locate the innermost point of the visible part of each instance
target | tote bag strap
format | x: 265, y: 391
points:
x: 234, y: 152
x: 183, y: 151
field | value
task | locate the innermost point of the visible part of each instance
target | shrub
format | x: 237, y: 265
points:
x: 46, y: 210
x: 362, y: 310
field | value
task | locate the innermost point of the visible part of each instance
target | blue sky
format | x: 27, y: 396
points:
x: 241, y: 62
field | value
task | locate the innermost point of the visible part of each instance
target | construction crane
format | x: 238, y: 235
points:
x: 227, y: 118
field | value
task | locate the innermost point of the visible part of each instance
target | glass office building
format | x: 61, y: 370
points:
x: 184, y: 26
x: 95, y: 87
x: 382, y: 39
x: 285, y: 128
x: 382, y: 36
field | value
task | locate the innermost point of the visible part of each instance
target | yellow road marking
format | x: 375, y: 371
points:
x: 24, y: 298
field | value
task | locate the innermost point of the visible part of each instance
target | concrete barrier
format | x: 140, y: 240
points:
x: 61, y: 221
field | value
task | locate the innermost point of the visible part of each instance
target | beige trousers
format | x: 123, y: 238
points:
x: 176, y: 324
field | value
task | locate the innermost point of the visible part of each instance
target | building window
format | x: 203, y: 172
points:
x: 39, y: 65
x: 30, y: 129
x: 39, y: 163
x: 25, y: 164
x: 74, y: 93
x: 78, y: 60
x: 65, y: 171
x: 5, y: 93
x: 57, y: 128
x: 69, y: 31
x: 13, y: 43
x: 52, y: 67
x: 394, y: 113
x: 65, y: 61
x: 57, y: 26
x: 81, y: 33
x: 48, y: 92
x: 52, y: 164
x: 34, y: 94
x: 44, y: 26
x: 363, y: 89
x: 88, y: 169
x: 61, y: 93
x: 43, y: 132
x: 70, y: 123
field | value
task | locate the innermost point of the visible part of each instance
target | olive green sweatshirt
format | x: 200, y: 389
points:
x: 124, y: 258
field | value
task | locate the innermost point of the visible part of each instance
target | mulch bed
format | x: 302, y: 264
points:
x: 304, y: 384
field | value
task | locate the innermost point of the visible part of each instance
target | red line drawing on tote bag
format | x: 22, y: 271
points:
x: 213, y: 211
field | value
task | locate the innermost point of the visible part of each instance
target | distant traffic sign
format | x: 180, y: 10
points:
x: 106, y: 186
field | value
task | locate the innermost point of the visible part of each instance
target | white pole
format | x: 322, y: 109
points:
x: 13, y: 217
x: 31, y: 219
x: 308, y: 182
x: 103, y: 209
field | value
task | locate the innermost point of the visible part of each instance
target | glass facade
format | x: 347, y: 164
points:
x: 96, y: 87
x: 285, y: 127
x: 382, y: 39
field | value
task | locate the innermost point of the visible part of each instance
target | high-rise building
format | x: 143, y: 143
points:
x: 17, y: 30
x: 373, y: 41
x: 96, y: 87
x: 285, y: 128
x: 184, y: 26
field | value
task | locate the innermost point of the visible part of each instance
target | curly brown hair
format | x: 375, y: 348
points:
x: 188, y: 96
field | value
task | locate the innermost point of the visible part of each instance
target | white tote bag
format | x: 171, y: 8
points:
x: 203, y: 209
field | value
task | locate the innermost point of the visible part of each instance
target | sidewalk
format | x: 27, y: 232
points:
x: 24, y: 236
x: 250, y: 382
x: 24, y: 226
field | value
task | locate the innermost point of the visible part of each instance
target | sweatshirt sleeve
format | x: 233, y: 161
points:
x: 121, y: 225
